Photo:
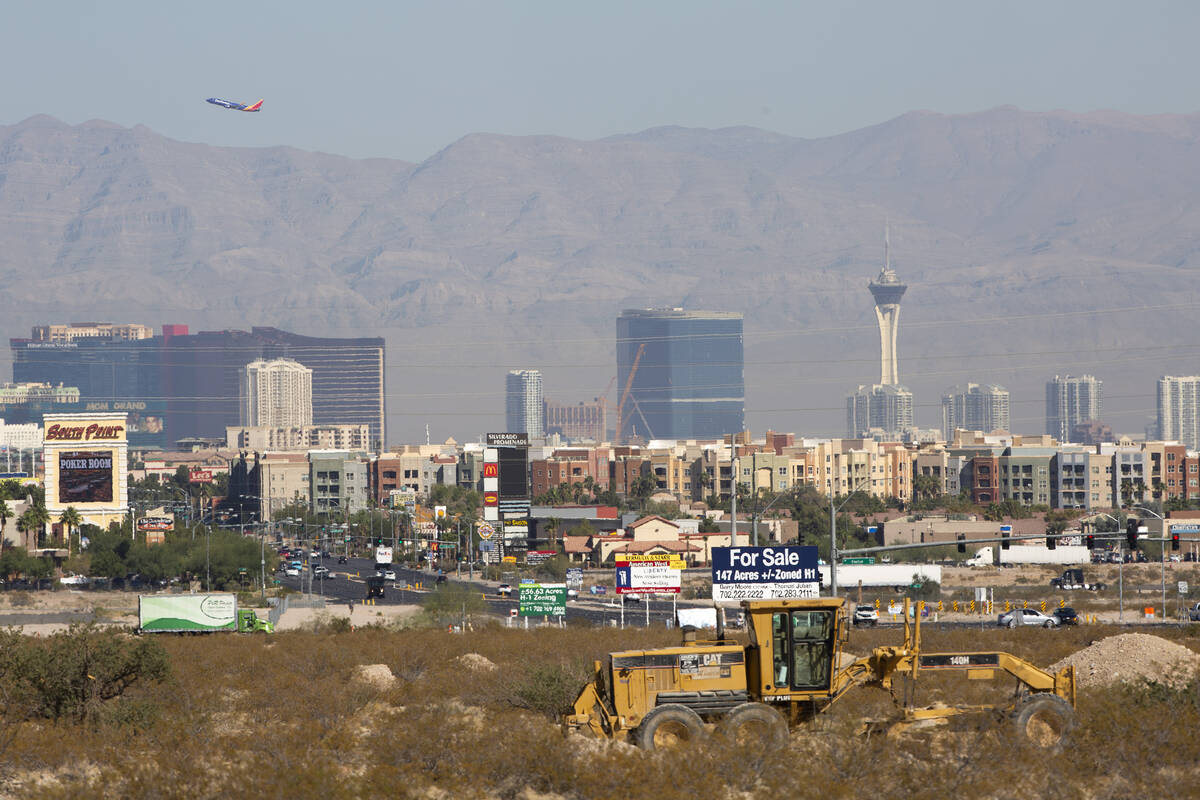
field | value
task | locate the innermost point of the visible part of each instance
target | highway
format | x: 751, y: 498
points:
x: 347, y: 582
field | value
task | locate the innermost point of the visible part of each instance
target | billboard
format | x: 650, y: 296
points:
x: 200, y: 476
x: 155, y: 523
x: 144, y: 419
x: 85, y: 476
x: 765, y: 573
x: 648, y: 574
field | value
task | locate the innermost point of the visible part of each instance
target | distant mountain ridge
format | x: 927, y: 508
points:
x: 1027, y: 239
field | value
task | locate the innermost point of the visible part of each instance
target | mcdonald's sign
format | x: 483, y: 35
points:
x: 491, y: 470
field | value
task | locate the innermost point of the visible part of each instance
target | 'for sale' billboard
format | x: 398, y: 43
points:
x: 765, y: 573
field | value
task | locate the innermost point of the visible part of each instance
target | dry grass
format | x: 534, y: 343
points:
x: 281, y: 716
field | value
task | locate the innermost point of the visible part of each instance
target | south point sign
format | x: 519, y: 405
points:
x: 92, y: 432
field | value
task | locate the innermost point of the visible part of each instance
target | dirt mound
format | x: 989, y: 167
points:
x: 476, y: 662
x: 1132, y: 657
x: 377, y: 675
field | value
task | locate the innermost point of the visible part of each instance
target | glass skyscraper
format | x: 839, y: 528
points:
x: 684, y: 373
x: 523, y: 406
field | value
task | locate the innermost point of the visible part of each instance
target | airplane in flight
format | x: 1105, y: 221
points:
x: 216, y: 101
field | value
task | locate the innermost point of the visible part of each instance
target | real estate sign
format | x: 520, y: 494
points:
x: 648, y: 574
x: 765, y: 573
x: 542, y: 599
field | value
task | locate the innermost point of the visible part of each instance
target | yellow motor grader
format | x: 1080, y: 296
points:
x: 788, y: 674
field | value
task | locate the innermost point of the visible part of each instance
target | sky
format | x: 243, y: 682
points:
x: 403, y: 80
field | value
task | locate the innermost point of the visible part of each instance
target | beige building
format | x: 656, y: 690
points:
x: 90, y: 330
x: 284, y: 480
x: 299, y: 438
x: 276, y: 394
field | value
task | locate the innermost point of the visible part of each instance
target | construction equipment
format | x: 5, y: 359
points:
x: 788, y: 674
x: 628, y: 385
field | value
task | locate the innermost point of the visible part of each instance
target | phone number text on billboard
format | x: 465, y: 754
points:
x: 763, y: 591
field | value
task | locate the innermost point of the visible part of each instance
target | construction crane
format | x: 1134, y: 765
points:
x: 628, y: 385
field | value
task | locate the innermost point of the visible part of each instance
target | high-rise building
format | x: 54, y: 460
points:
x: 276, y: 394
x: 878, y: 409
x: 974, y: 407
x: 679, y: 374
x: 523, y: 405
x: 192, y: 380
x: 577, y: 420
x: 887, y: 291
x: 1071, y: 401
x: 1179, y: 410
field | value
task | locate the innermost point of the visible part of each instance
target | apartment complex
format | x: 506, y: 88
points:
x: 879, y: 410
x: 974, y: 407
x: 1071, y: 402
x: 1179, y: 410
x: 523, y: 405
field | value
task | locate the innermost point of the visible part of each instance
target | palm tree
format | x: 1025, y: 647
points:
x: 5, y: 516
x: 38, y: 517
x: 71, y: 520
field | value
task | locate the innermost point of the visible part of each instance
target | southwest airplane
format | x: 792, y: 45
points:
x: 216, y: 101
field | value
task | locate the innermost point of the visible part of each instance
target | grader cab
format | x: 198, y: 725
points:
x: 787, y: 674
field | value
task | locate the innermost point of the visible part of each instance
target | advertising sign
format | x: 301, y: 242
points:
x: 200, y: 476
x: 538, y: 556
x: 765, y: 573
x: 542, y: 599
x: 486, y: 531
x: 507, y: 440
x: 383, y: 555
x: 155, y: 523
x: 575, y: 577
x: 190, y: 612
x: 642, y: 576
x: 84, y: 432
x: 85, y: 476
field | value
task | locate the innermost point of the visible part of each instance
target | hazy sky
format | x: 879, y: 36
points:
x: 403, y: 80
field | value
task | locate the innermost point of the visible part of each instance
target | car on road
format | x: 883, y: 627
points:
x: 1020, y: 617
x: 292, y: 572
x: 341, y: 559
x: 1194, y: 613
x: 319, y: 571
x: 572, y: 594
x: 1066, y: 616
x: 504, y: 589
x: 866, y: 615
x: 440, y: 579
x: 632, y: 597
x: 389, y: 574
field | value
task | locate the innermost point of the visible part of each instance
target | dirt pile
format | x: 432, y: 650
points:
x: 1132, y: 657
x: 377, y: 675
x: 476, y: 662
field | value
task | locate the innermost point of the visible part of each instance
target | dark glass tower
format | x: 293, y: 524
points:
x: 683, y: 370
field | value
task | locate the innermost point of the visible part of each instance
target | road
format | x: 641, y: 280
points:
x: 347, y: 582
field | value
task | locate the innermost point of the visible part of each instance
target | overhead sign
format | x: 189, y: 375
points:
x: 765, y: 573
x: 542, y: 599
x: 155, y: 523
x: 660, y: 576
x: 1185, y: 529
x: 860, y: 560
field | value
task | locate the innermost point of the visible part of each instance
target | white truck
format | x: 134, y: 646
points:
x: 894, y: 575
x: 197, y: 613
x: 1030, y: 554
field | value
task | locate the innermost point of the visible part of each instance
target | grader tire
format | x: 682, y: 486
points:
x: 1044, y: 720
x: 669, y: 726
x: 754, y: 724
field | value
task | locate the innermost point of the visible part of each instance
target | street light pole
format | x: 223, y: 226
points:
x: 1162, y: 556
x: 833, y: 512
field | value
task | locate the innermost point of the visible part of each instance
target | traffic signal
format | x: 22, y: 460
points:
x: 1003, y: 540
x: 962, y: 543
x: 1051, y: 541
x: 1174, y: 541
x: 1131, y: 532
x: 1090, y: 541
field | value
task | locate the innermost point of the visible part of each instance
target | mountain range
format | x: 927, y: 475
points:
x: 1033, y: 244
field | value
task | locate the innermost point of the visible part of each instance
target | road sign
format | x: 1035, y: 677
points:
x: 860, y: 560
x: 1183, y: 587
x: 542, y: 599
x: 486, y: 531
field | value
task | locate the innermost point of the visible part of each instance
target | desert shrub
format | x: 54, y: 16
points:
x: 544, y: 688
x: 71, y: 674
x: 20, y: 599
